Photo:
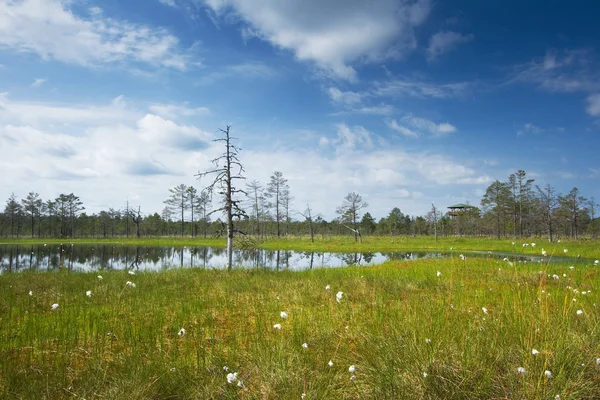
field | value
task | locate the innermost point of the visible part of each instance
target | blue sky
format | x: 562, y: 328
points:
x: 405, y: 102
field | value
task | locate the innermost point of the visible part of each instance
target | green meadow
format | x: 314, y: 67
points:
x: 473, y: 328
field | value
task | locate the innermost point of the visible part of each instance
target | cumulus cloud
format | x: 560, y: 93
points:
x: 444, y: 42
x: 50, y: 29
x: 144, y: 155
x: 332, y: 34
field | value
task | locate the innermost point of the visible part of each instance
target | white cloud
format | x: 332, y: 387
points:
x: 170, y: 3
x: 333, y: 34
x: 529, y: 128
x: 38, y: 82
x: 172, y: 111
x: 144, y: 155
x: 246, y: 70
x: 420, y: 125
x: 425, y: 125
x: 403, y: 130
x: 593, y: 107
x: 568, y: 71
x: 345, y: 98
x: 51, y: 30
x: 417, y: 88
x: 445, y: 41
x: 62, y: 115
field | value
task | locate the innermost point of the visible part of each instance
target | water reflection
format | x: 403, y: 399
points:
x: 101, y: 257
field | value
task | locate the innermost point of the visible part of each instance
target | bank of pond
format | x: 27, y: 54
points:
x: 93, y: 257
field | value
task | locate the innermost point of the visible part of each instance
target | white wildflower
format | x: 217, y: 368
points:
x: 129, y: 283
x: 225, y: 368
x: 521, y: 370
x: 339, y: 296
x: 565, y: 251
x: 534, y: 352
x: 532, y: 244
x: 328, y: 287
x: 548, y: 374
x: 571, y: 267
x: 425, y: 374
x: 30, y: 293
x: 525, y: 244
x: 240, y: 384
x: 330, y: 363
x: 305, y: 345
x: 352, y: 369
x: 54, y: 306
x: 131, y: 272
x: 462, y: 257
x: 427, y: 340
x: 439, y: 274
x: 277, y: 326
x: 303, y: 396
x: 579, y: 312
x: 544, y: 253
x: 283, y: 315
x: 88, y: 293
x: 485, y: 310
x: 100, y: 277
x: 232, y: 378
x: 352, y: 378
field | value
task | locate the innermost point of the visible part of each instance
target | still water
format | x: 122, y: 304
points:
x: 52, y: 257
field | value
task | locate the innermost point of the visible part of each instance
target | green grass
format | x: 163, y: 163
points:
x: 587, y: 248
x: 122, y: 342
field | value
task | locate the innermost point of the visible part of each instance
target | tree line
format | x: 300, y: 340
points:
x: 514, y: 208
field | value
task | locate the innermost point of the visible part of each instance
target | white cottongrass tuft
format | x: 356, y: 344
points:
x: 352, y: 369
x: 131, y: 272
x: 232, y: 378
x: 532, y: 244
x: 557, y: 397
x: 54, y: 306
x: 534, y: 352
x: 427, y: 340
x: 485, y: 310
x: 305, y: 345
x: 544, y: 253
x: 439, y: 274
x: 425, y: 374
x: 525, y: 244
x: 100, y: 277
x: 565, y: 251
x: 462, y: 257
x: 283, y: 315
x: 330, y: 363
x: 129, y: 283
x: 598, y: 361
x: 303, y: 396
x: 30, y: 293
x: 88, y: 293
x: 548, y: 374
x: 596, y: 262
x: 328, y: 287
x: 339, y: 296
x: 225, y: 368
x: 277, y: 326
x: 579, y: 312
x: 521, y: 370
x: 240, y: 384
x: 181, y: 332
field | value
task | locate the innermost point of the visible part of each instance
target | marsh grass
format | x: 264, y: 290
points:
x: 122, y: 342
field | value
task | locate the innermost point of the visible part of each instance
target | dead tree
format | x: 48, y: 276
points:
x: 224, y: 175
